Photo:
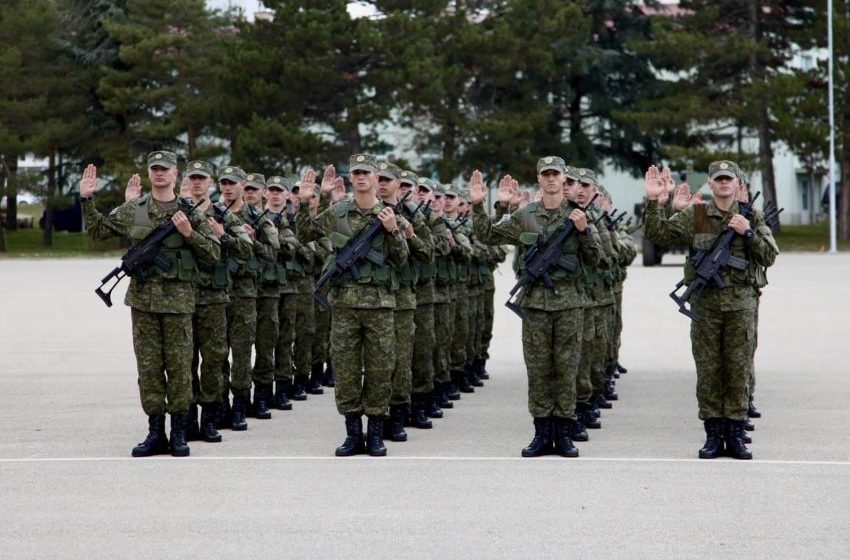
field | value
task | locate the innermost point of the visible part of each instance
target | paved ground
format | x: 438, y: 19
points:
x: 70, y: 414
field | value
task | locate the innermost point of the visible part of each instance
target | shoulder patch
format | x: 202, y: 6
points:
x: 506, y: 217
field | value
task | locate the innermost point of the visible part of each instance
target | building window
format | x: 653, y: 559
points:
x: 805, y: 186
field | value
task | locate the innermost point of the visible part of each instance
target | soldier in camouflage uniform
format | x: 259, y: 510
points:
x: 321, y: 349
x: 552, y: 325
x: 420, y: 249
x: 242, y: 308
x: 362, y: 327
x: 460, y: 253
x: 495, y: 256
x: 473, y: 293
x: 209, y: 323
x: 305, y: 322
x: 723, y: 337
x: 161, y: 299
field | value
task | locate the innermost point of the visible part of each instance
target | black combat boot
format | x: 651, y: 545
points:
x: 452, y: 392
x: 418, y: 417
x: 225, y: 414
x: 446, y: 392
x: 735, y: 446
x: 748, y: 425
x: 610, y: 394
x: 433, y: 409
x: 355, y: 442
x: 611, y: 371
x: 238, y: 423
x: 541, y: 444
x: 262, y: 398
x: 298, y: 388
x: 314, y: 386
x: 579, y: 433
x: 178, y: 435
x: 747, y: 438
x: 329, y: 380
x: 193, y: 433
x: 602, y: 402
x: 752, y: 411
x: 156, y: 442
x: 394, y: 429
x: 590, y: 420
x: 593, y: 408
x: 461, y: 382
x: 561, y: 430
x: 713, y: 447
x: 620, y: 368
x: 374, y: 441
x: 482, y: 369
x: 209, y: 415
x: 281, y: 399
x: 472, y: 376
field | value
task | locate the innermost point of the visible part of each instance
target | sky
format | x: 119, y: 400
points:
x: 251, y: 6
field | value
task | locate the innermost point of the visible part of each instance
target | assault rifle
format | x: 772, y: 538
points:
x: 358, y: 249
x: 140, y: 257
x: 709, y: 265
x: 461, y: 222
x: 771, y: 215
x: 219, y: 213
x: 611, y: 221
x: 542, y: 257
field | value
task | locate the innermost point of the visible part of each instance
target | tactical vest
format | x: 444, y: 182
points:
x: 175, y: 261
x: 370, y: 273
x: 706, y: 232
x: 569, y: 248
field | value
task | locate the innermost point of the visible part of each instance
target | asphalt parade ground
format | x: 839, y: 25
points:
x: 70, y: 415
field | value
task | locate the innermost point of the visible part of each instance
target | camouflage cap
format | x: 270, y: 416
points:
x: 410, y: 177
x: 277, y: 183
x: 365, y: 162
x: 427, y: 184
x: 551, y: 162
x: 571, y: 172
x: 450, y: 190
x: 232, y: 173
x: 255, y: 181
x: 200, y: 167
x: 389, y: 169
x: 162, y: 158
x: 463, y: 194
x: 723, y: 168
x: 587, y: 176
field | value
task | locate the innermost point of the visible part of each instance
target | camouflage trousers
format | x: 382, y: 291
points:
x: 268, y: 331
x: 424, y: 349
x: 305, y: 328
x: 209, y: 328
x: 751, y: 381
x: 363, y: 350
x: 460, y: 326
x: 487, y: 312
x: 722, y: 344
x: 584, y: 385
x: 443, y: 331
x: 241, y: 329
x: 600, y: 347
x: 163, y: 346
x: 473, y: 340
x: 616, y: 327
x: 550, y: 346
x: 322, y: 341
x: 286, y: 314
x: 402, y: 379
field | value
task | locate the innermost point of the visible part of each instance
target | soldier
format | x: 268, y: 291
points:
x: 242, y: 308
x: 444, y: 275
x: 420, y: 249
x: 320, y: 350
x: 473, y: 286
x: 723, y: 337
x: 552, y: 325
x: 162, y: 300
x: 209, y: 322
x: 362, y: 327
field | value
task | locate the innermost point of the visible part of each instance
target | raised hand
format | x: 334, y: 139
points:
x: 506, y: 192
x: 307, y: 189
x: 328, y: 179
x: 339, y: 189
x: 88, y: 183
x: 134, y: 188
x: 477, y: 188
x: 516, y: 197
x: 653, y: 183
x: 681, y: 197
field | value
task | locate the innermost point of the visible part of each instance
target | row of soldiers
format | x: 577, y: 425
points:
x: 238, y: 277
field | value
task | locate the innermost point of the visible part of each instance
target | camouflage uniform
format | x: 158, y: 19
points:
x: 627, y: 251
x: 162, y: 301
x: 322, y: 340
x: 495, y: 256
x: 722, y: 339
x: 461, y: 253
x: 286, y: 312
x: 445, y: 275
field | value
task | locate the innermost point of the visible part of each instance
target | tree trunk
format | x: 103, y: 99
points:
x: 12, y: 192
x: 768, y: 179
x: 51, y: 199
